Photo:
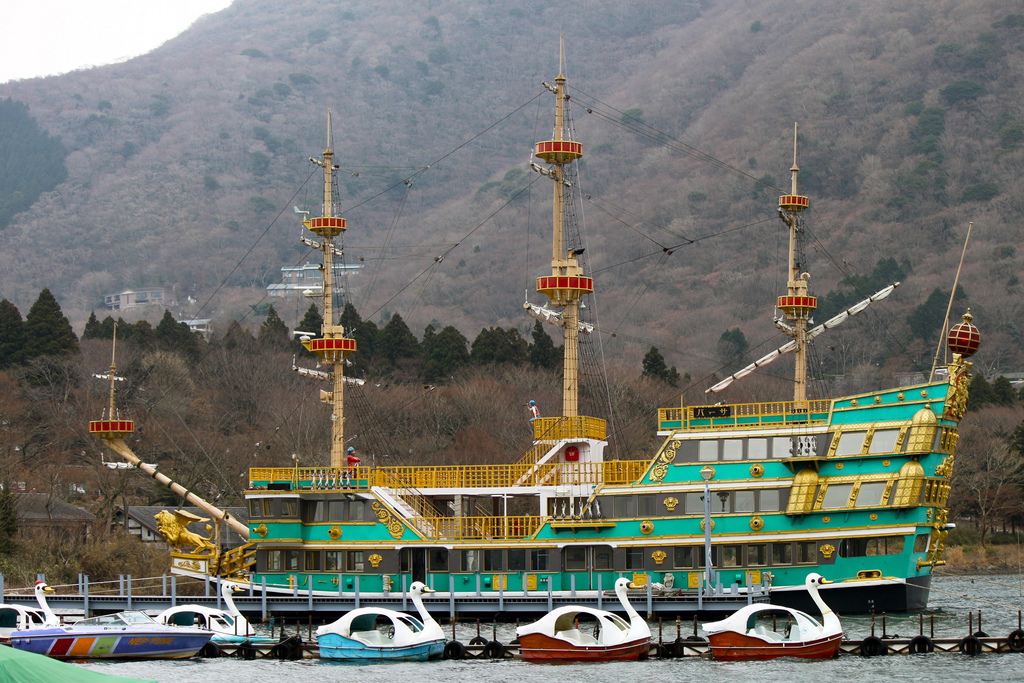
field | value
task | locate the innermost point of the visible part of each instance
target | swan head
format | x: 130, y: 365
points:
x: 418, y: 588
x: 814, y: 579
x: 41, y: 587
x: 622, y: 583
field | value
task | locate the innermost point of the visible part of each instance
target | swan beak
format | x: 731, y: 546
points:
x: 427, y: 590
x: 47, y: 590
x: 631, y: 586
x: 823, y: 581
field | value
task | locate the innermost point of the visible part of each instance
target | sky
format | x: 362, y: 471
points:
x: 47, y: 37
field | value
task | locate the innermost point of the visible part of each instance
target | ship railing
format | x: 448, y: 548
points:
x: 407, y: 482
x: 478, y: 528
x: 744, y: 415
x: 549, y: 430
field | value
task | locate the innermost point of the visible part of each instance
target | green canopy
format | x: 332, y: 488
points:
x: 28, y: 667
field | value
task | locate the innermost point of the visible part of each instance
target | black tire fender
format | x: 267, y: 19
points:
x: 970, y: 645
x: 872, y: 646
x: 1015, y: 641
x: 920, y: 644
x: 453, y: 649
x: 493, y: 650
x: 210, y: 650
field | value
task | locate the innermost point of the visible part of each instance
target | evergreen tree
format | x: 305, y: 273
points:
x: 47, y: 331
x: 397, y: 341
x: 124, y: 330
x: 237, y: 337
x: 655, y: 368
x: 93, y: 329
x: 350, y: 318
x: 543, y: 353
x: 732, y: 346
x: 175, y: 336
x: 8, y: 521
x: 12, y: 335
x: 273, y: 332
x: 980, y: 393
x: 448, y: 354
x: 927, y: 318
x: 496, y: 345
x: 429, y: 337
x: 1003, y: 393
x: 141, y: 333
x: 311, y: 324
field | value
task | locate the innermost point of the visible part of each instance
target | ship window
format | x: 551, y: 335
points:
x: 757, y: 449
x: 312, y: 560
x: 624, y: 507
x: 492, y: 560
x: 268, y: 507
x: 743, y: 501
x: 694, y: 503
x: 355, y: 561
x: 782, y: 447
x: 683, y: 556
x: 732, y: 449
x: 921, y: 542
x: 782, y: 553
x: 438, y: 559
x: 602, y: 558
x: 757, y: 555
x: 731, y: 556
x: 850, y: 443
x: 275, y: 560
x: 701, y: 556
x: 540, y: 560
x: 884, y: 441
x: 870, y: 494
x: 871, y: 547
x: 769, y: 500
x: 291, y: 560
x: 315, y: 510
x: 634, y: 558
x: 575, y: 559
x: 289, y: 508
x: 336, y: 511
x: 255, y: 509
x: 516, y: 560
x: 470, y: 560
x: 646, y: 506
x: 806, y: 552
x: 837, y: 496
x: 355, y: 510
x: 332, y: 560
x: 720, y: 502
x: 708, y: 450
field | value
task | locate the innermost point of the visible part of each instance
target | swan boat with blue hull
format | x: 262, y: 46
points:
x: 124, y: 635
x: 855, y: 488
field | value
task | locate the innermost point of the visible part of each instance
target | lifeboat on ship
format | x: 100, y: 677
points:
x: 557, y: 636
x: 745, y: 634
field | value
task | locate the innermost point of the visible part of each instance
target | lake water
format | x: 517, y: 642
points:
x: 997, y: 596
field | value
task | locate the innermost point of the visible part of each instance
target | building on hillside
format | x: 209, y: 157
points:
x: 298, y: 279
x: 43, y: 516
x: 133, y: 298
x: 140, y: 521
x: 203, y: 326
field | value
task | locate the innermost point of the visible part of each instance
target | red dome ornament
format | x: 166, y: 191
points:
x: 964, y: 338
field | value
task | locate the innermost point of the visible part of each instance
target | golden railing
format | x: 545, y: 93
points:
x: 578, y: 427
x: 742, y: 415
x: 477, y: 528
x: 407, y: 480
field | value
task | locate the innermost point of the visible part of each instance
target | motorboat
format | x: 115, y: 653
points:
x: 557, y: 636
x: 123, y: 635
x: 745, y: 634
x: 377, y: 634
x: 21, y: 618
x: 228, y: 625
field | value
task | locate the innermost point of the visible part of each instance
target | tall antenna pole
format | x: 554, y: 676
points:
x: 945, y: 321
x: 797, y: 304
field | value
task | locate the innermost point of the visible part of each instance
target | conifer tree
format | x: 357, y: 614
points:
x: 12, y: 335
x: 93, y: 329
x: 312, y: 324
x: 273, y: 332
x: 543, y: 353
x: 397, y: 340
x: 8, y: 521
x: 448, y: 354
x: 655, y: 368
x: 47, y: 331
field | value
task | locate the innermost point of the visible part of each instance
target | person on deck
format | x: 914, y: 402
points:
x: 534, y: 410
x: 352, y: 461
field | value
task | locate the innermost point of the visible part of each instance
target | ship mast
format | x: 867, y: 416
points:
x: 566, y: 284
x: 332, y: 346
x: 796, y: 305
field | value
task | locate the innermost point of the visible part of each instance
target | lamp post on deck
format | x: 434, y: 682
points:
x: 706, y: 473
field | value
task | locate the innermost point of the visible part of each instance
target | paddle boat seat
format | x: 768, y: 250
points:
x: 574, y: 635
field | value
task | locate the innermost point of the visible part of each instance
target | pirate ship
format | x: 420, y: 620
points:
x: 737, y: 495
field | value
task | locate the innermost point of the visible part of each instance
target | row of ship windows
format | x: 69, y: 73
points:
x: 312, y: 510
x: 591, y: 558
x: 691, y: 503
x: 882, y: 441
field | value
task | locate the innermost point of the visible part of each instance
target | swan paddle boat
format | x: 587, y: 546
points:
x: 124, y: 635
x: 744, y: 635
x: 370, y: 634
x: 20, y: 618
x: 228, y: 625
x: 557, y: 637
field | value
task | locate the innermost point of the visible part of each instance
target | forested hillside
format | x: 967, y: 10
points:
x: 183, y: 167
